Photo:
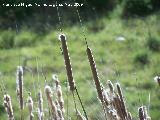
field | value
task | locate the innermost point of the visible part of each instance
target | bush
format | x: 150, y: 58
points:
x: 7, y: 39
x: 141, y: 58
x: 137, y: 7
x: 101, y: 4
x: 155, y: 4
x: 153, y: 43
x: 25, y: 38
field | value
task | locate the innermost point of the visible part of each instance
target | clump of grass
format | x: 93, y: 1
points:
x: 141, y: 58
x: 153, y: 43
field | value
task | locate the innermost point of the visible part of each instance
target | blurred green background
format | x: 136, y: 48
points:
x: 123, y: 34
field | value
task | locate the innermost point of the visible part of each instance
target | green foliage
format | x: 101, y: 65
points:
x: 25, y: 38
x: 103, y: 4
x: 154, y: 43
x: 137, y: 7
x: 141, y: 57
x: 7, y: 39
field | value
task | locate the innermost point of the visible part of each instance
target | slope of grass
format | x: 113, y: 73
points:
x: 120, y: 61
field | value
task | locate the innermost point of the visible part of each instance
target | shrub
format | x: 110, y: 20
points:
x: 153, y: 43
x: 102, y: 4
x: 141, y: 58
x: 7, y: 39
x: 137, y: 7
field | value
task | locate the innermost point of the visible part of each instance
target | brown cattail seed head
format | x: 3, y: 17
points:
x: 141, y: 113
x: 157, y: 80
x: 40, y: 106
x: 110, y: 86
x: 30, y: 107
x: 48, y: 90
x: 95, y: 74
x: 8, y: 106
x: 19, y: 82
x: 62, y: 38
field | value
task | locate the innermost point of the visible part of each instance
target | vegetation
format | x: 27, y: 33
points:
x: 125, y: 51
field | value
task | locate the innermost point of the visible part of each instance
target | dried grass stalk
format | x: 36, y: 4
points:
x: 62, y: 38
x: 51, y: 103
x: 8, y: 106
x: 40, y: 106
x: 143, y: 115
x: 30, y: 107
x: 59, y: 111
x: 59, y: 93
x: 19, y: 82
x: 123, y: 107
x: 95, y: 74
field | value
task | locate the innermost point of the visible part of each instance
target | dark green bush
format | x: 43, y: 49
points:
x: 153, y: 43
x: 7, y: 39
x: 141, y: 58
x: 137, y: 7
x: 102, y: 4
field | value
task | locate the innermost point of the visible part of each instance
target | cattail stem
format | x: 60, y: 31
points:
x: 81, y: 104
x: 62, y: 38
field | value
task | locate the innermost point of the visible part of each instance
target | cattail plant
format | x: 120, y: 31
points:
x: 59, y: 93
x: 40, y: 106
x: 143, y: 115
x: 30, y: 107
x: 122, y: 101
x: 71, y: 81
x: 59, y: 111
x: 19, y: 82
x: 157, y: 80
x: 95, y: 74
x: 8, y: 106
x: 51, y: 103
x: 62, y: 38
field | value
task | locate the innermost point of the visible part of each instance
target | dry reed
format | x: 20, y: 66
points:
x: 40, y: 106
x: 143, y: 115
x: 95, y: 74
x: 59, y: 93
x: 30, y: 107
x: 19, y: 82
x: 51, y: 103
x: 68, y: 66
x: 8, y: 106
